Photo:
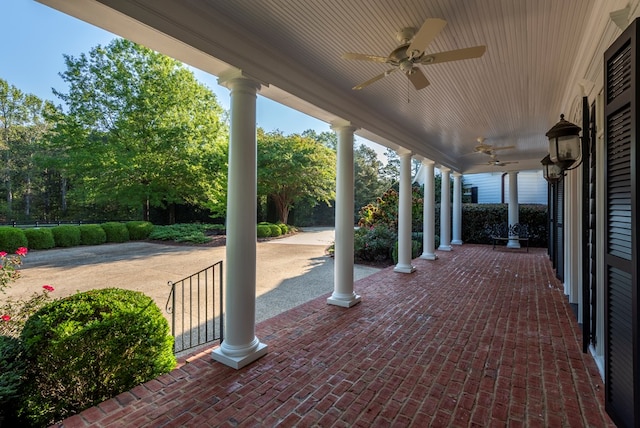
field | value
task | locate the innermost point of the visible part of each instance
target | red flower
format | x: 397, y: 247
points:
x: 22, y: 251
x: 48, y: 287
x: 3, y: 254
x: 5, y: 318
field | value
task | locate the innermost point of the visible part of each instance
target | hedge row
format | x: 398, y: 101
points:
x: 267, y: 230
x: 11, y: 238
x: 476, y: 218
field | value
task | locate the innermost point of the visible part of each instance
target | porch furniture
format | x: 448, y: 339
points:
x: 505, y: 232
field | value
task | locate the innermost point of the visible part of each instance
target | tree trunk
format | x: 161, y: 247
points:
x: 172, y: 213
x: 27, y: 198
x: 63, y: 194
x: 7, y: 184
x: 145, y: 215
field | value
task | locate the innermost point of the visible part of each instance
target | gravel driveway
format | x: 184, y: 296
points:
x: 290, y: 270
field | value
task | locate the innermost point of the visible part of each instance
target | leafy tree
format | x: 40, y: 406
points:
x: 294, y: 168
x: 139, y: 131
x: 327, y: 139
x: 23, y: 129
x: 367, y: 180
x: 391, y: 170
x: 12, y: 115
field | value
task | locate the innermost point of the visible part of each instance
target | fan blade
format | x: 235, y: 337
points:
x: 374, y: 79
x: 455, y: 55
x: 364, y: 57
x: 425, y: 35
x: 503, y: 147
x: 417, y: 77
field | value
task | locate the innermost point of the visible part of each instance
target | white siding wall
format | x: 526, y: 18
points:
x: 532, y: 187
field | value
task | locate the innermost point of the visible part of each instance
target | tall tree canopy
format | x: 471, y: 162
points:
x: 367, y: 180
x: 139, y: 130
x: 294, y: 168
x: 23, y: 127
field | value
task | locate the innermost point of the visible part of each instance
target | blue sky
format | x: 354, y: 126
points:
x: 36, y: 37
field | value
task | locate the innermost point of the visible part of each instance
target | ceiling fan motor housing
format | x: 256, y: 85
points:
x: 406, y: 34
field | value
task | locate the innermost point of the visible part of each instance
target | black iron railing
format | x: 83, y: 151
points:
x: 196, y: 308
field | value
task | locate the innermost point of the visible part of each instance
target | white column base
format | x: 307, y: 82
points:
x: 456, y: 242
x: 404, y: 268
x: 428, y: 256
x: 444, y: 248
x: 344, y: 301
x: 513, y: 243
x: 239, y: 361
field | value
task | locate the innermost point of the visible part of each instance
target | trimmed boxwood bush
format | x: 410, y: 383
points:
x: 39, y: 239
x: 12, y: 238
x: 139, y: 230
x: 92, y: 234
x: 66, y: 235
x: 89, y: 347
x: 116, y: 232
x: 275, y: 230
x: 264, y: 231
x: 283, y: 228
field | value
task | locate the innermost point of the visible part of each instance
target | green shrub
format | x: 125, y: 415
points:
x: 12, y: 238
x: 116, y: 232
x: 284, y: 229
x: 475, y: 218
x: 139, y: 230
x: 92, y: 234
x: 39, y: 239
x: 264, y: 231
x: 89, y: 347
x: 275, y: 230
x: 66, y: 235
x: 12, y: 370
x: 374, y: 244
x: 215, y: 229
x: 192, y: 233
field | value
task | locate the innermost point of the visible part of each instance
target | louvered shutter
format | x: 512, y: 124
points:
x: 559, y: 230
x: 622, y: 370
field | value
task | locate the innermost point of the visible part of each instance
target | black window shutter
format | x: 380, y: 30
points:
x: 622, y: 369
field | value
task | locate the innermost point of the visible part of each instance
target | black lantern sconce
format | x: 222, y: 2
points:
x: 564, y: 150
x: 551, y: 171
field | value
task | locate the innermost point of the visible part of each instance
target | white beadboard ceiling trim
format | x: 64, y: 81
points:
x: 541, y: 56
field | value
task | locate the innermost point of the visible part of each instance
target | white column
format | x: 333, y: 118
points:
x: 513, y: 207
x: 445, y: 211
x: 241, y: 346
x: 343, y: 294
x: 404, y: 216
x: 428, y: 213
x: 457, y: 209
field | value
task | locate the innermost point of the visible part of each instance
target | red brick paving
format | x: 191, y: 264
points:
x: 477, y: 338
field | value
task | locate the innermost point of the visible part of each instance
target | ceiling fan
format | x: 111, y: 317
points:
x: 488, y: 149
x: 410, y: 54
x: 495, y: 162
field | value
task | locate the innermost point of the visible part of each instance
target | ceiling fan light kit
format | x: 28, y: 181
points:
x: 411, y: 53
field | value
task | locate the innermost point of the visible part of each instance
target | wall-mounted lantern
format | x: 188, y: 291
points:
x: 551, y: 171
x: 564, y: 144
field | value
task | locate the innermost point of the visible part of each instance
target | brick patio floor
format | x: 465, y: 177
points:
x: 476, y: 338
